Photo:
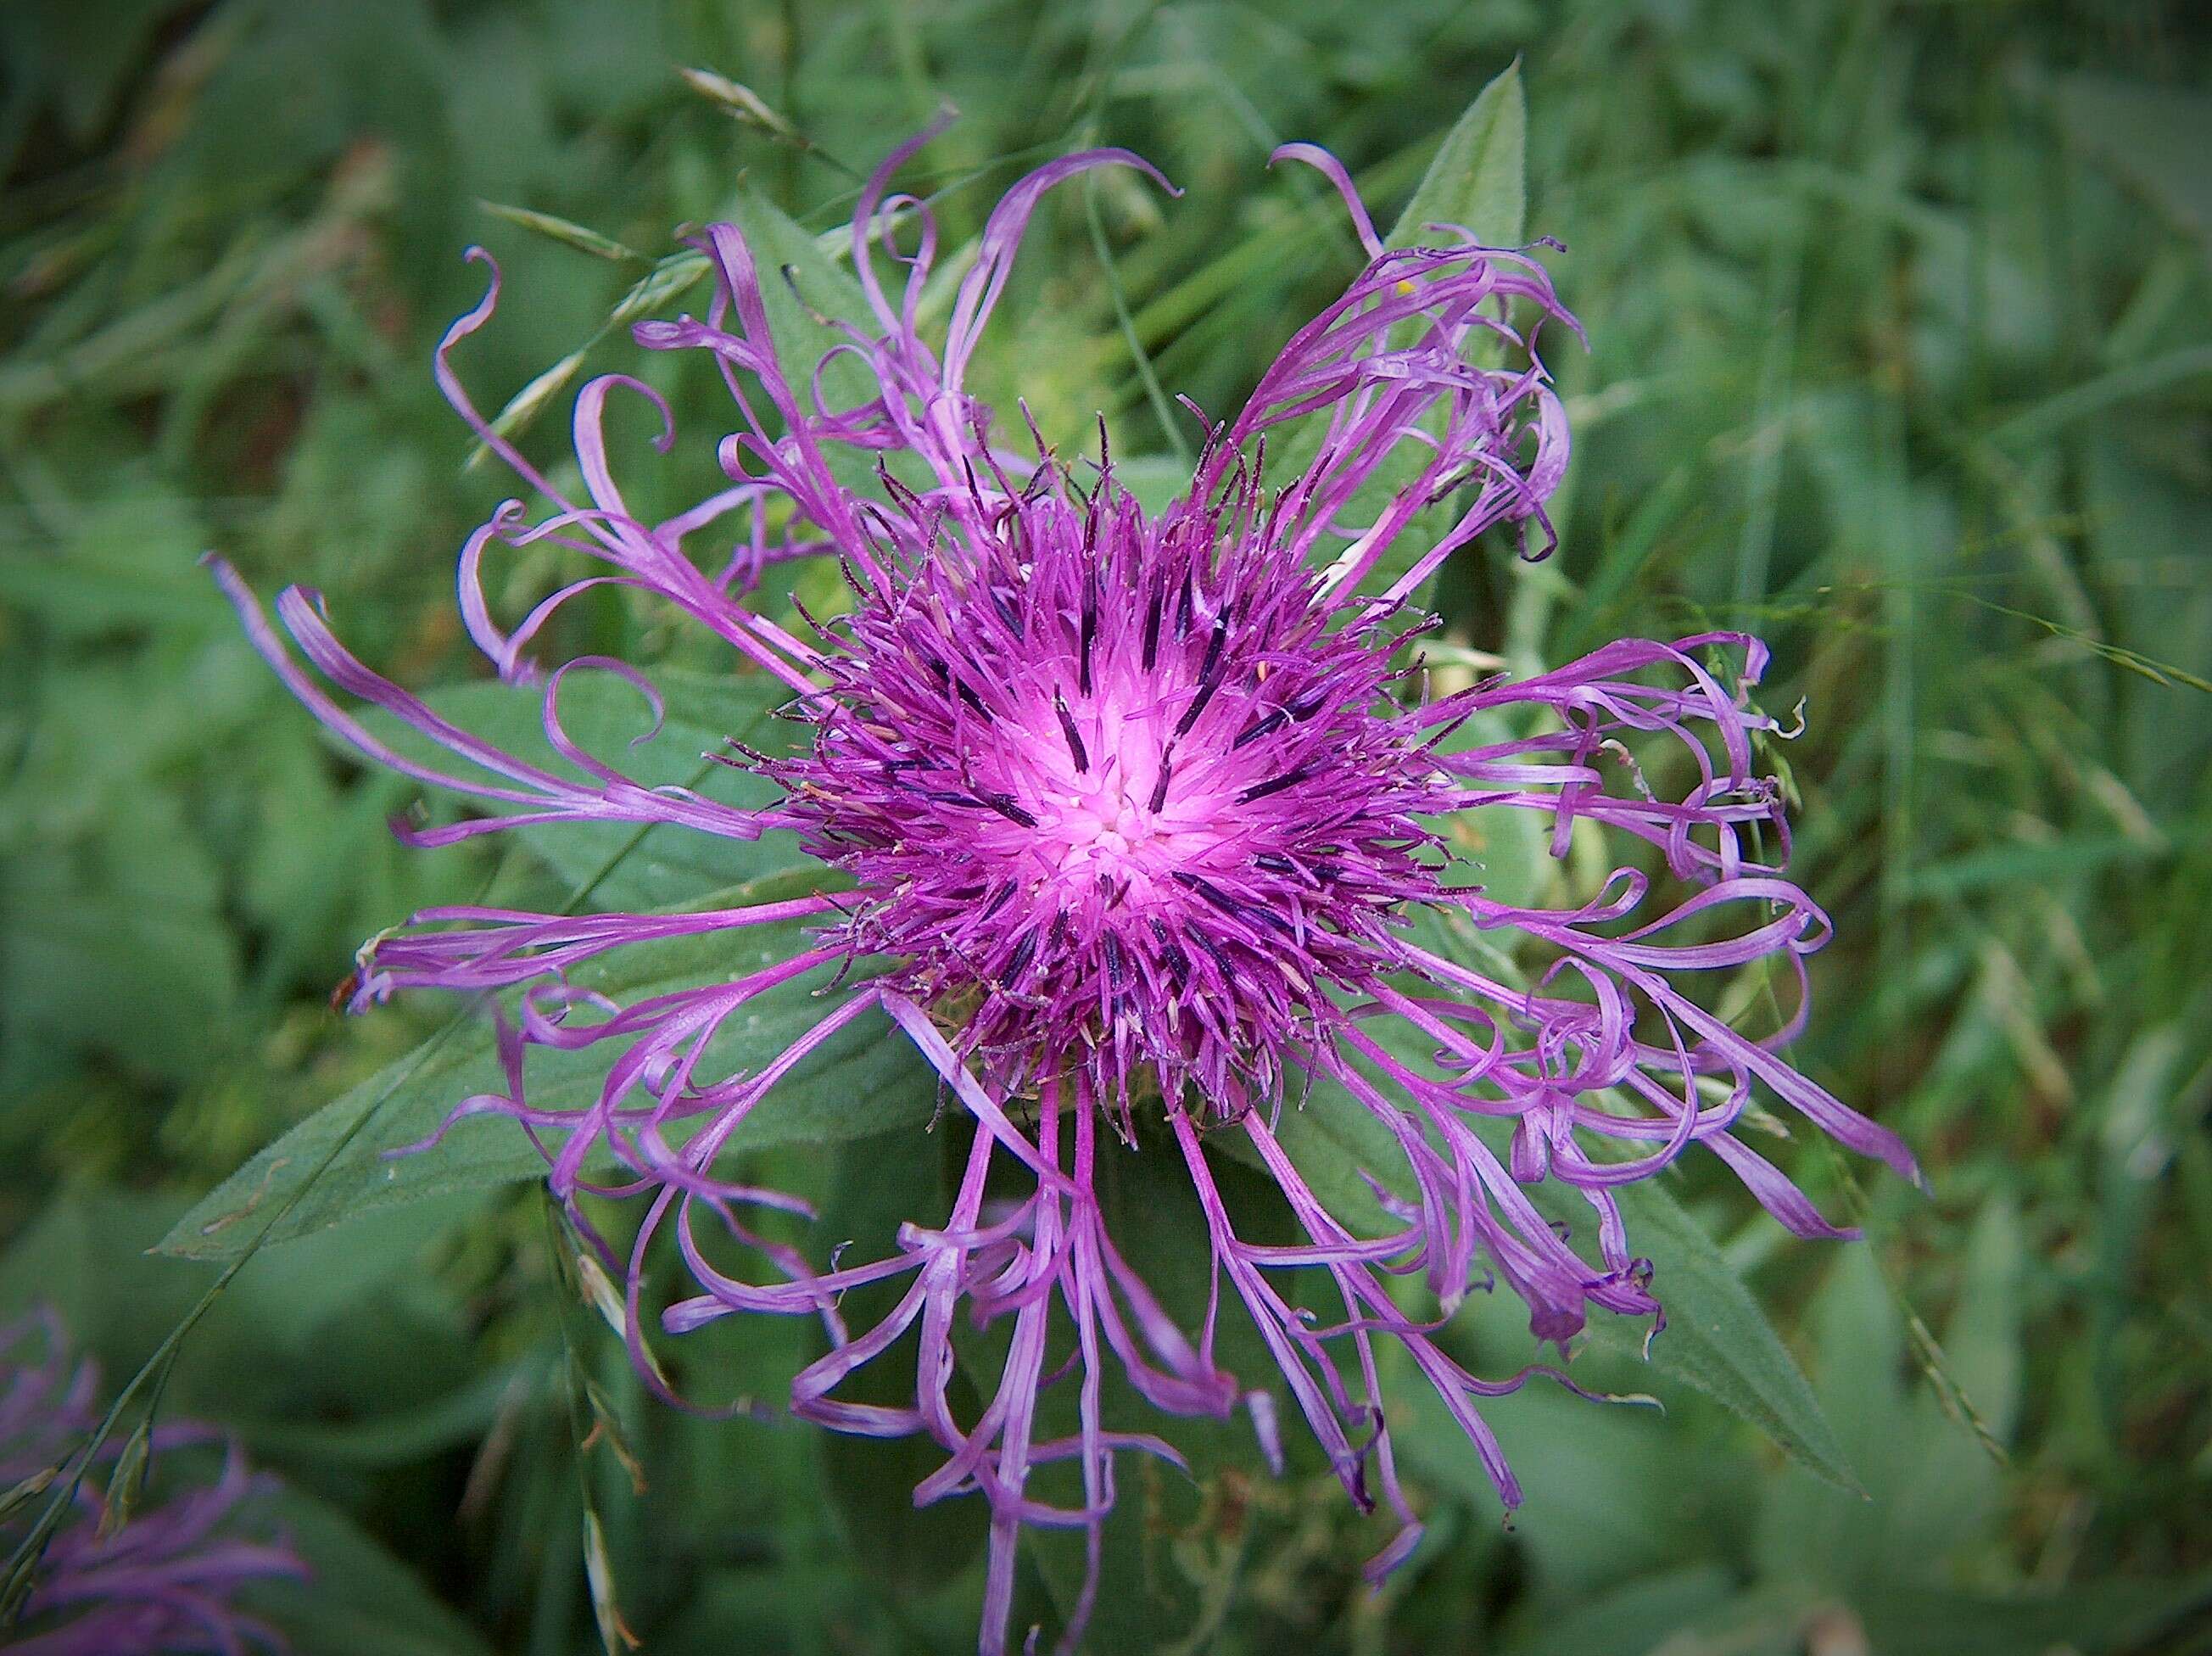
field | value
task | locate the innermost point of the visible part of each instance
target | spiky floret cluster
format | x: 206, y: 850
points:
x: 1115, y: 801
x: 163, y: 1583
x: 1118, y: 788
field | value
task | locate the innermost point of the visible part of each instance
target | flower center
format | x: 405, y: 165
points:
x: 1124, y: 791
x: 1104, y: 828
x: 1099, y: 777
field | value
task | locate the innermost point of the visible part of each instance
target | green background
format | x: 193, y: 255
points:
x: 1900, y: 356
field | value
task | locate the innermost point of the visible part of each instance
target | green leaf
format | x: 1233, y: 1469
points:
x: 670, y: 866
x: 357, y: 1600
x: 127, y: 562
x: 117, y: 945
x: 1770, y: 1619
x: 2040, y: 865
x: 1717, y: 1340
x: 1480, y: 176
x: 77, y: 60
x: 1932, y: 1474
x: 1610, y: 1492
x: 342, y: 1348
x: 857, y: 1083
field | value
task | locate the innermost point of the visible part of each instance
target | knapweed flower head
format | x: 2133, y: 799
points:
x: 1123, y: 819
x: 167, y: 1581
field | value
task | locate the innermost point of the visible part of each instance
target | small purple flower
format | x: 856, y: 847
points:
x: 1130, y: 812
x: 163, y: 1584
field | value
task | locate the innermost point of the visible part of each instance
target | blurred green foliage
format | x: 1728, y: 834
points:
x: 1901, y: 330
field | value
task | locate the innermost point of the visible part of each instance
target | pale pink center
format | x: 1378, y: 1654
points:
x: 1099, y: 823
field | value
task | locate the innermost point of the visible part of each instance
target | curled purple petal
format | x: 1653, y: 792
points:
x: 167, y: 1580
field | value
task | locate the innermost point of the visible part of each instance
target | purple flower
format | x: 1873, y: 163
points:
x: 164, y: 1583
x: 1128, y: 814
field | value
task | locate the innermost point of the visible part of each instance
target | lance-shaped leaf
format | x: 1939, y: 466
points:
x: 857, y: 1083
x: 1717, y: 1340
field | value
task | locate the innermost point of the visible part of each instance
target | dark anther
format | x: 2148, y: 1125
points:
x: 1258, y: 728
x: 1178, y: 966
x: 1075, y: 748
x: 1117, y: 971
x: 1212, y: 657
x: 1206, y: 889
x: 1178, y: 963
x: 1022, y: 950
x: 1090, y: 630
x: 819, y: 630
x: 1209, y: 677
x: 1275, y: 785
x: 1005, y: 895
x: 1214, y: 953
x: 1160, y: 788
x: 1005, y: 805
x: 1153, y: 625
x: 1190, y: 715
